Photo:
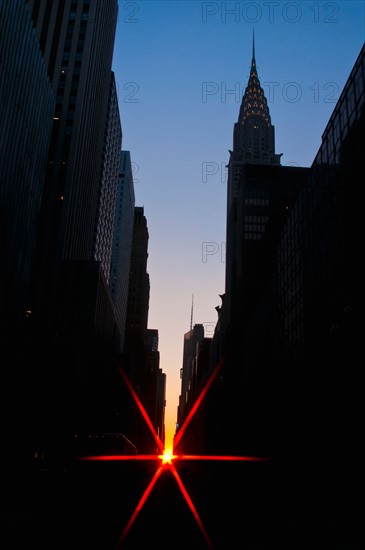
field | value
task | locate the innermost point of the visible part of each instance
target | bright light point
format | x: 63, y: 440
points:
x: 167, y: 457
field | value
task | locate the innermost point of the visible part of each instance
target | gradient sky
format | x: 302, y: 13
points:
x: 181, y: 69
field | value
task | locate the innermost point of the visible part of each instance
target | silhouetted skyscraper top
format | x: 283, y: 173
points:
x: 254, y: 137
x: 254, y: 103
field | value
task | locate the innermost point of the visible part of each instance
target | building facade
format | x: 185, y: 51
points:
x: 72, y: 328
x: 109, y: 173
x: 320, y: 288
x: 27, y: 103
x: 139, y: 281
x: 122, y: 243
x: 77, y: 41
x: 188, y: 373
x: 26, y: 109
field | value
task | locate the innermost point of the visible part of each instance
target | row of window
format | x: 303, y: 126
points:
x: 253, y: 236
x: 254, y: 228
x: 256, y: 219
x: 260, y: 202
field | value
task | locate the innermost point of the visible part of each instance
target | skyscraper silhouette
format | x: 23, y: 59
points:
x: 68, y: 159
x: 260, y: 194
x: 77, y: 41
x: 289, y: 388
x: 141, y: 357
x: 253, y: 143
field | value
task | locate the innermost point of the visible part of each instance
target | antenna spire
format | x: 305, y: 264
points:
x: 192, y: 309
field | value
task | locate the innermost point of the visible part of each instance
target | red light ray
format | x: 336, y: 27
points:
x: 190, y: 503
x: 197, y: 403
x: 163, y: 466
x: 118, y: 457
x: 140, y: 505
x: 220, y: 457
x: 143, y: 410
x: 169, y: 463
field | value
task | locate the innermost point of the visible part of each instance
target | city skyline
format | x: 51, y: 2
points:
x: 180, y: 273
x: 178, y: 106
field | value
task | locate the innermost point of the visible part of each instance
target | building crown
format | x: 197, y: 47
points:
x: 254, y: 103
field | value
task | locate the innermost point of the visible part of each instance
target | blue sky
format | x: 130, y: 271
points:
x: 181, y: 68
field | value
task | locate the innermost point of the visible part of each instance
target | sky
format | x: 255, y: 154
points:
x: 181, y: 68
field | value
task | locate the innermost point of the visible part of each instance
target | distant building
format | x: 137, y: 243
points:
x: 161, y: 405
x: 155, y: 384
x: 104, y: 227
x: 141, y: 358
x: 151, y: 339
x: 139, y: 281
x: 122, y: 243
x: 188, y: 372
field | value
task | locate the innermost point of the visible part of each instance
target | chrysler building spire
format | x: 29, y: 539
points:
x: 253, y: 63
x: 254, y: 139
